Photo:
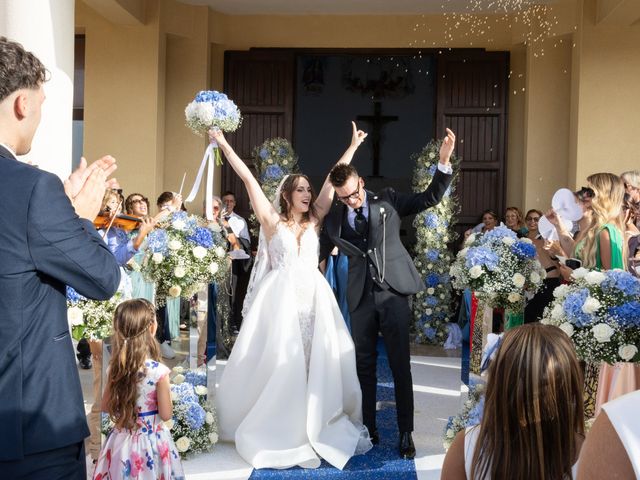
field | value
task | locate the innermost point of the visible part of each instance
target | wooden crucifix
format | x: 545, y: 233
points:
x: 377, y: 121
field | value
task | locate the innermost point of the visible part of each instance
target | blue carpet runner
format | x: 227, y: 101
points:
x: 381, y: 462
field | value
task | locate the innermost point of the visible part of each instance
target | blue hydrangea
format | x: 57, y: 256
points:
x: 185, y: 392
x: 432, y: 280
x: 433, y: 255
x: 432, y: 169
x: 430, y: 333
x: 201, y: 236
x: 431, y: 220
x: 524, y: 249
x: 622, y: 281
x: 157, y: 241
x: 73, y: 296
x: 627, y: 314
x: 210, y: 96
x: 445, y: 278
x: 196, y: 378
x: 264, y: 153
x: 194, y: 415
x: 431, y: 301
x: 273, y: 172
x: 483, y: 257
x: 498, y: 233
x: 475, y: 414
x: 572, y: 306
x: 282, y: 151
x: 225, y: 109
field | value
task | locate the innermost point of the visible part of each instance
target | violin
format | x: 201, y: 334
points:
x: 124, y: 222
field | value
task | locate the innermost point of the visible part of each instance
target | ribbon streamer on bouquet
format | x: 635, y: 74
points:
x: 207, y: 160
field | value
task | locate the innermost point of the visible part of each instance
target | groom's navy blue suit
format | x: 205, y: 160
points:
x: 43, y: 247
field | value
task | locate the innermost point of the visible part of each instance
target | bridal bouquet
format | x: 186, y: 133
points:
x: 91, y: 319
x: 182, y: 255
x: 211, y: 109
x: 499, y: 267
x: 600, y: 311
x: 470, y: 415
x: 193, y: 426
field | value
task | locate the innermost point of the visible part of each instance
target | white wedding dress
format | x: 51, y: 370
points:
x: 289, y: 392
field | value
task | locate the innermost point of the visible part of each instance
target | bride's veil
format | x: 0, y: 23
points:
x: 262, y: 264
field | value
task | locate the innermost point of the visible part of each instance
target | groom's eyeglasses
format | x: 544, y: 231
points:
x: 355, y: 195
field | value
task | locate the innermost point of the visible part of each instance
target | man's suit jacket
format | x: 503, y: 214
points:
x: 386, y: 209
x: 44, y: 246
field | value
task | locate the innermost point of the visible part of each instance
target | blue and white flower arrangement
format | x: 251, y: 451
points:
x: 470, y: 415
x: 499, y: 267
x: 600, y: 311
x: 193, y: 425
x: 91, y: 319
x: 182, y: 255
x: 432, y: 307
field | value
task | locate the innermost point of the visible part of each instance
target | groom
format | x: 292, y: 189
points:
x: 365, y: 226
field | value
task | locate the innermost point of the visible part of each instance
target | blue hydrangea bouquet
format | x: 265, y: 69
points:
x: 182, y: 255
x: 600, y: 311
x: 470, y: 415
x: 91, y: 319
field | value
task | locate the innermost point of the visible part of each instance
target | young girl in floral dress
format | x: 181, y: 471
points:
x: 138, y: 399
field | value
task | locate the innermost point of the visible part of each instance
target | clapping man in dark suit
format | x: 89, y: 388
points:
x: 365, y: 226
x: 47, y: 241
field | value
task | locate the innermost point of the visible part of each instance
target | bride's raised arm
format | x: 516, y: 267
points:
x: 265, y: 213
x: 325, y: 197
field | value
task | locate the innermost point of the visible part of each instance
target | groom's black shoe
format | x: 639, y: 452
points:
x: 407, y: 448
x: 375, y: 437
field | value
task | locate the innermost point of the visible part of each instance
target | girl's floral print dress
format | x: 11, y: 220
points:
x: 147, y: 452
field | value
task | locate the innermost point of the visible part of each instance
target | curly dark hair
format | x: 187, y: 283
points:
x: 341, y: 173
x: 18, y: 68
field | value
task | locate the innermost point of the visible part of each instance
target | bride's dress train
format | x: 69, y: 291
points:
x: 289, y: 392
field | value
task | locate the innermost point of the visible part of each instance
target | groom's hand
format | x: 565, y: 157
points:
x: 446, y: 149
x: 76, y: 181
x: 88, y: 201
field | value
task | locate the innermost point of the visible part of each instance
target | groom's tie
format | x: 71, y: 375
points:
x: 360, y: 222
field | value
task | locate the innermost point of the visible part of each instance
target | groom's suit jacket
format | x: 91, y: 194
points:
x: 382, y: 245
x: 44, y: 246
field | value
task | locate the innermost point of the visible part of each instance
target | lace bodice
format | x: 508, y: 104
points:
x: 284, y: 250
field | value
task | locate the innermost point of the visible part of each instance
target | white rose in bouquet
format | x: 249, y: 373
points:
x: 219, y: 252
x: 591, y: 305
x: 579, y: 273
x: 508, y: 241
x: 174, y: 396
x: 183, y: 444
x: 175, y: 291
x: 535, y: 278
x: 209, y: 418
x: 594, y: 277
x: 169, y: 423
x: 514, y: 297
x: 627, y: 352
x: 178, y: 369
x: 558, y: 312
x: 213, y: 437
x: 75, y: 316
x: 157, y: 258
x: 567, y: 328
x: 463, y: 252
x: 470, y: 239
x: 178, y: 379
x: 200, y: 390
x: 602, y: 332
x: 561, y: 291
x: 213, y: 268
x: 179, y: 271
x: 526, y: 240
x: 199, y: 252
x: 518, y: 280
x: 431, y: 290
x: 179, y: 225
x: 475, y: 271
x: 428, y: 311
x: 174, y: 244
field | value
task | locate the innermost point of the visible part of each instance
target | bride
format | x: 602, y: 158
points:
x: 289, y: 393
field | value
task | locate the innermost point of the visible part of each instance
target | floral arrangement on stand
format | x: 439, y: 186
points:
x: 182, y: 255
x: 91, y: 319
x: 600, y: 311
x: 470, y: 415
x: 273, y: 159
x: 433, y: 307
x: 193, y: 426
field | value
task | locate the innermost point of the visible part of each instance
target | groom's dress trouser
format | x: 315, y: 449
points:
x: 385, y: 311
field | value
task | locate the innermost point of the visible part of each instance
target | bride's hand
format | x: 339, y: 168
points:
x: 357, y: 136
x: 216, y: 135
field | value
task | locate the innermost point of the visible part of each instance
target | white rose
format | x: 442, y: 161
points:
x: 428, y: 311
x: 183, y: 444
x: 178, y: 369
x: 429, y: 266
x: 179, y: 271
x: 579, y: 273
x: 567, y: 328
x: 535, y: 278
x: 209, y: 418
x: 75, y: 315
x: 157, y: 257
x: 558, y: 312
x: 179, y: 225
x: 594, y: 277
x: 178, y: 379
x: 518, y: 280
x: 526, y: 240
x: 174, y: 244
x: 514, y: 297
x: 627, y: 352
x: 174, y: 396
x: 450, y: 433
x: 475, y: 271
x: 591, y: 305
x: 431, y: 290
x: 175, y: 291
x: 199, y: 252
x: 220, y: 252
x: 169, y: 423
x: 463, y: 253
x: 561, y: 291
x: 213, y: 437
x: 470, y: 239
x: 213, y: 268
x: 200, y: 390
x: 602, y: 332
x: 508, y: 241
x: 442, y: 296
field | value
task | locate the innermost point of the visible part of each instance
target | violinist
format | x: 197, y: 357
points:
x: 137, y: 205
